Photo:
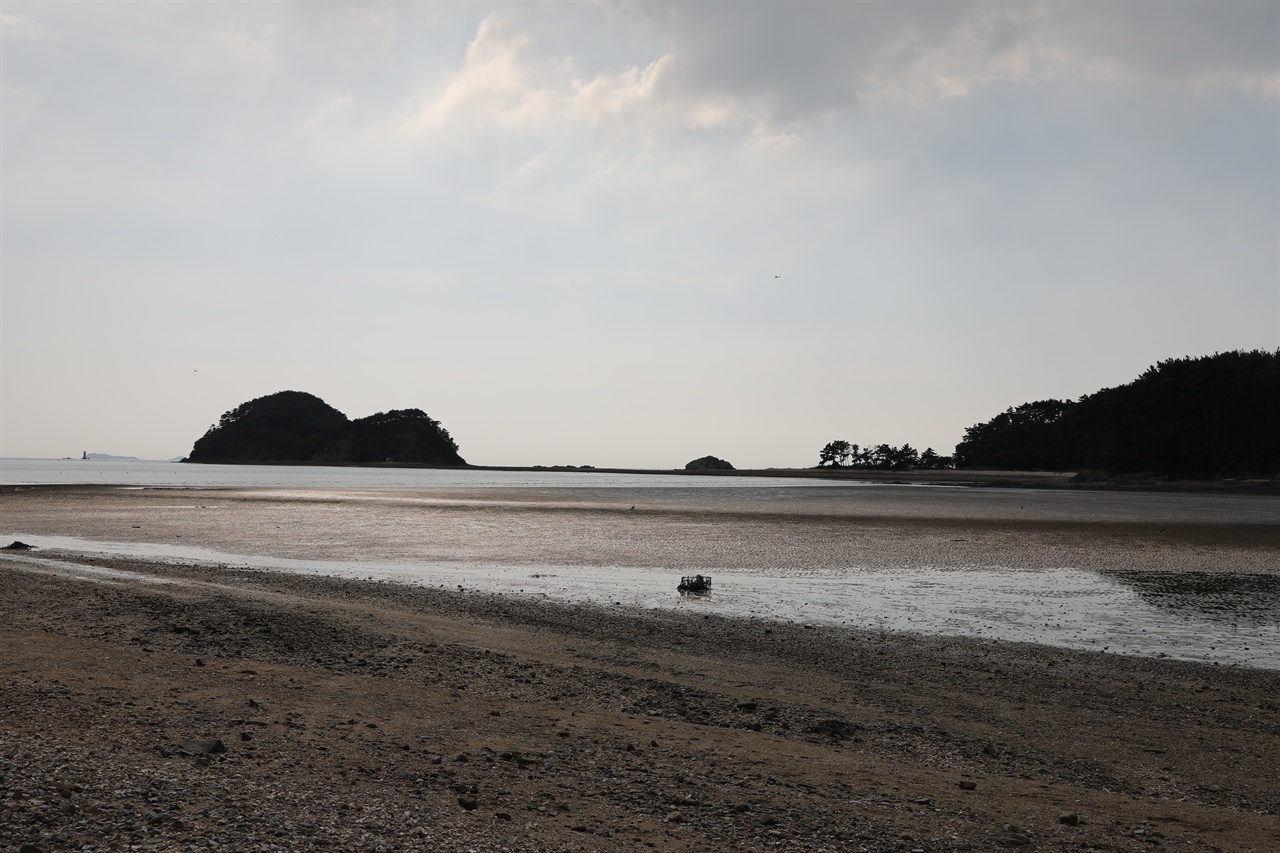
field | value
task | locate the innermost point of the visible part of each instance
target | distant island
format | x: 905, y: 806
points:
x: 107, y: 457
x: 293, y: 426
x: 708, y: 463
x: 1215, y: 417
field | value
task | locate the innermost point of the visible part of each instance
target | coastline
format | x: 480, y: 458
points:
x: 975, y: 478
x: 347, y: 707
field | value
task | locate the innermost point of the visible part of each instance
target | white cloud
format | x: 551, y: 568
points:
x: 18, y: 95
x: 327, y: 112
x: 246, y: 50
x: 495, y: 86
x: 503, y: 84
x: 20, y: 27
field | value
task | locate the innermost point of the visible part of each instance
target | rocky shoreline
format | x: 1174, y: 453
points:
x: 156, y: 706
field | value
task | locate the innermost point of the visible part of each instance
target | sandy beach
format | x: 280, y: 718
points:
x: 372, y: 716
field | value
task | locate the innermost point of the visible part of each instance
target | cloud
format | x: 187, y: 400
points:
x: 248, y: 51
x: 327, y: 112
x: 802, y: 61
x: 504, y: 84
x: 782, y: 71
x: 497, y: 85
x: 17, y: 95
x: 20, y: 27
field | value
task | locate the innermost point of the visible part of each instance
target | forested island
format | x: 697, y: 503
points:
x: 293, y: 426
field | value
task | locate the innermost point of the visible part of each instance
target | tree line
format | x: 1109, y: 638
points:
x: 1216, y: 416
x: 884, y: 457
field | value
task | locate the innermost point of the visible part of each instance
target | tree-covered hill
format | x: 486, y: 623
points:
x: 1191, y: 418
x: 293, y: 426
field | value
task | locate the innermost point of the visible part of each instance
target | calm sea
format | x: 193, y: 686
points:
x: 1181, y: 575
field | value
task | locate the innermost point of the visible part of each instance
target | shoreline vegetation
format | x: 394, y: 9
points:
x: 169, y: 706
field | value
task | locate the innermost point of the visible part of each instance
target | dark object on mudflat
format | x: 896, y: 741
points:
x: 292, y: 426
x: 202, y: 747
x: 696, y: 583
x: 708, y: 463
x: 834, y: 728
x: 15, y: 545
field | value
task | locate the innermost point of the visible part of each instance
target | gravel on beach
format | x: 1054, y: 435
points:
x: 181, y: 707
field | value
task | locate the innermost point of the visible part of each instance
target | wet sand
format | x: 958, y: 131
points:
x: 360, y: 715
x: 373, y: 716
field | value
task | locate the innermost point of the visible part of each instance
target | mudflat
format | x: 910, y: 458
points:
x: 159, y: 706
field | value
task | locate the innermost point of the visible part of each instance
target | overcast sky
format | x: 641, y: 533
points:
x: 624, y: 234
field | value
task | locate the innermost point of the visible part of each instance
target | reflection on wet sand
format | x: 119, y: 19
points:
x: 1225, y: 597
x: 1186, y: 576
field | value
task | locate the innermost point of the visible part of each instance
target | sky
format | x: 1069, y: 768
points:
x: 624, y: 234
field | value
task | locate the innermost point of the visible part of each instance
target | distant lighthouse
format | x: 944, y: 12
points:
x: 85, y: 454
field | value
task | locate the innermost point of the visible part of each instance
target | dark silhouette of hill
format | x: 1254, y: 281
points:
x: 293, y: 426
x: 1212, y: 417
x: 708, y: 463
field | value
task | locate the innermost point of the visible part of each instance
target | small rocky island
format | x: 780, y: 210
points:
x: 293, y: 426
x: 708, y: 463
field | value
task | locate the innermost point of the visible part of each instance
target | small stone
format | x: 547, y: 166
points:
x: 29, y: 848
x: 468, y: 803
x: 741, y: 808
x: 502, y: 816
x: 675, y: 817
x: 1069, y: 818
x: 966, y: 785
x: 199, y: 662
x: 202, y: 747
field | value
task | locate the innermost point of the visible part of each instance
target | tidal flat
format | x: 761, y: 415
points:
x: 365, y: 702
